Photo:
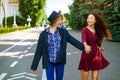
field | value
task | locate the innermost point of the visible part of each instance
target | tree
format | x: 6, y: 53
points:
x: 74, y: 19
x: 112, y: 15
x: 1, y: 3
x: 80, y: 10
x: 33, y: 8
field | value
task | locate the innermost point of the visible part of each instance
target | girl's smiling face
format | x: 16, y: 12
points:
x: 91, y: 20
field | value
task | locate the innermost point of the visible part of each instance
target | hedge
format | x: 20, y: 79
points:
x: 7, y: 30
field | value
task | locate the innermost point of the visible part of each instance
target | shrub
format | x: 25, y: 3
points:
x: 8, y: 29
x: 10, y: 21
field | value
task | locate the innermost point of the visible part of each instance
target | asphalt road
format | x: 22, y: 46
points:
x: 17, y: 51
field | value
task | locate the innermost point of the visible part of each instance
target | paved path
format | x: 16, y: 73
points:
x: 17, y: 50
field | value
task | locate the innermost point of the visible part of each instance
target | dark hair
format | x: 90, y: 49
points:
x: 100, y: 28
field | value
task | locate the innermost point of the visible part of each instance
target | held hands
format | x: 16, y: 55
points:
x: 87, y: 49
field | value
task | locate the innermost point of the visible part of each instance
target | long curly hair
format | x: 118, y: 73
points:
x: 101, y: 29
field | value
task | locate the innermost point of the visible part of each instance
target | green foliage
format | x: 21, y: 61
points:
x: 10, y: 21
x: 81, y: 9
x: 111, y: 14
x: 67, y: 17
x: 34, y: 8
x: 7, y: 30
x: 109, y: 9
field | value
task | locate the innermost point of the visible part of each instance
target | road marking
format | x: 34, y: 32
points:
x: 25, y: 51
x: 14, y: 63
x: 33, y: 43
x: 73, y: 53
x: 31, y: 74
x: 25, y: 75
x: 11, y: 47
x: 68, y: 53
x: 30, y: 78
x: 29, y: 48
x: 2, y: 76
x: 18, y: 74
x: 20, y: 57
x: 16, y: 77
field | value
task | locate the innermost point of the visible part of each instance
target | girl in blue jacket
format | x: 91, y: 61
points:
x: 52, y: 44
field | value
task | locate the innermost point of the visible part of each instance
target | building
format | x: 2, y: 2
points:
x: 8, y: 8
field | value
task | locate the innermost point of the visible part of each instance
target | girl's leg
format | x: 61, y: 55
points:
x: 50, y: 72
x: 84, y: 75
x: 95, y: 74
x: 59, y: 71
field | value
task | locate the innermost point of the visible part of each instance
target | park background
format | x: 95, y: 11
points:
x: 14, y: 14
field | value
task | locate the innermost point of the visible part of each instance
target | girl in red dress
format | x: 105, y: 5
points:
x: 92, y: 37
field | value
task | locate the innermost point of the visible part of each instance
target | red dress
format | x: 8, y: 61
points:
x: 95, y: 59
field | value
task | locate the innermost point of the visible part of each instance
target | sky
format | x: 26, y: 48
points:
x: 57, y: 5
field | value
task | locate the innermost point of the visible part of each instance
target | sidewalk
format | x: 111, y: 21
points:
x: 14, y: 35
x: 9, y: 39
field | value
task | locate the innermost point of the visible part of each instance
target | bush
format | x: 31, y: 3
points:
x: 10, y: 21
x: 7, y: 30
x: 112, y: 17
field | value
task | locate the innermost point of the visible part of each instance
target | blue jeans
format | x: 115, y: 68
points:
x: 59, y: 69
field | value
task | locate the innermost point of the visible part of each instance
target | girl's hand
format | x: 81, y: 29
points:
x: 87, y: 49
x: 101, y: 48
x: 33, y: 71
